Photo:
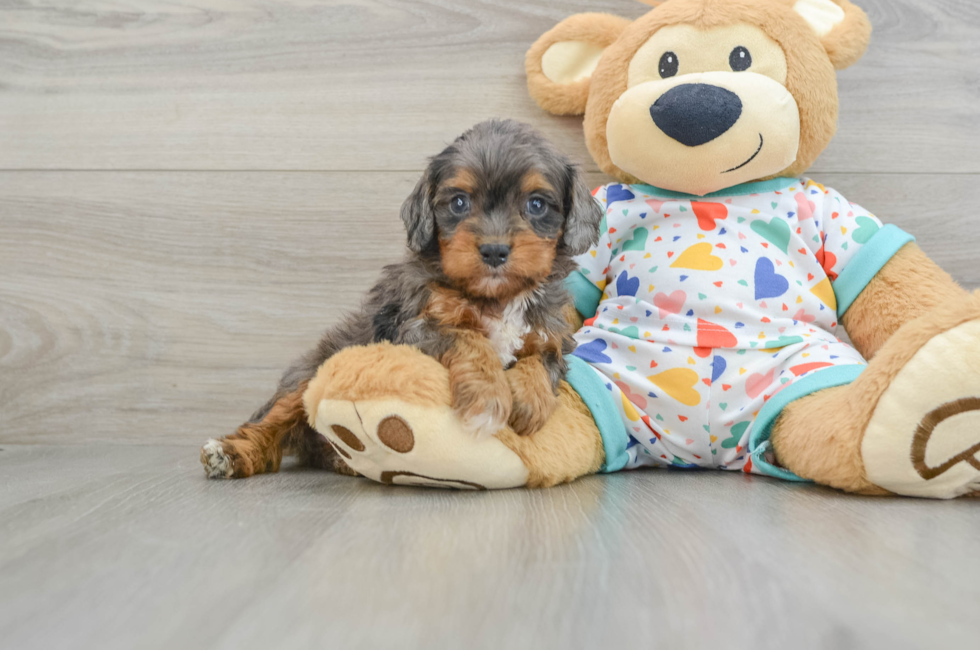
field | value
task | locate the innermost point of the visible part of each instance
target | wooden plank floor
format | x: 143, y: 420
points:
x: 191, y: 190
x: 128, y: 547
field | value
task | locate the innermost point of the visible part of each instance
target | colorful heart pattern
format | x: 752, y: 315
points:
x: 710, y: 307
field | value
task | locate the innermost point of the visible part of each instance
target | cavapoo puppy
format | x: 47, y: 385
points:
x: 492, y: 228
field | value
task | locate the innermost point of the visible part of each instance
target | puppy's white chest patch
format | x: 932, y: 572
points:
x: 507, y: 332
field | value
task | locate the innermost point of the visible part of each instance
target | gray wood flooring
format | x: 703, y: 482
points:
x: 191, y: 190
x: 122, y: 547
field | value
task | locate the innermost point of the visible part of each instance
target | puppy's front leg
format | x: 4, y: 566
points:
x: 481, y: 393
x: 534, y: 388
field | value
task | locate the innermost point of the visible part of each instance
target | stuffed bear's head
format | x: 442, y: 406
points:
x: 701, y: 95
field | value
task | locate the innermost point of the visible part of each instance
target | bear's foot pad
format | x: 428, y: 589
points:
x: 923, y: 439
x: 396, y: 443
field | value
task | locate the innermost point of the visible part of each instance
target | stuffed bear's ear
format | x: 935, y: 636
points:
x: 843, y: 28
x: 418, y: 217
x: 560, y: 64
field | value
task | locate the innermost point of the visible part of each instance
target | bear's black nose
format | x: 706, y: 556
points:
x: 694, y: 114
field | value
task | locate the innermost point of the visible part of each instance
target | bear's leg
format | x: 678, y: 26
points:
x: 909, y: 424
x: 387, y: 410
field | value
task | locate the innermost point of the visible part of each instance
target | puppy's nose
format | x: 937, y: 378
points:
x: 695, y: 114
x: 494, y: 255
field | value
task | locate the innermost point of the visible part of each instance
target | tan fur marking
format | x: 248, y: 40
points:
x: 531, y: 256
x: 533, y: 181
x: 575, y: 319
x: 819, y: 437
x: 256, y: 448
x: 450, y: 309
x: 460, y: 255
x: 530, y: 262
x: 538, y: 343
x: 476, y: 379
x: 463, y: 179
x: 534, y: 399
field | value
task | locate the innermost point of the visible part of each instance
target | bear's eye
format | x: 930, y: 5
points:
x: 668, y: 65
x: 459, y: 205
x: 535, y: 207
x: 740, y: 59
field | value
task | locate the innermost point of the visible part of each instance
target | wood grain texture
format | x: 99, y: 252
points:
x: 114, y: 547
x: 376, y: 84
x: 154, y: 307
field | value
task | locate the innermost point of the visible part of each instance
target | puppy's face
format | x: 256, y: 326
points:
x: 502, y: 206
x: 498, y: 233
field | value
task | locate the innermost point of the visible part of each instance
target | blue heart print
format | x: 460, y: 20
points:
x: 627, y: 286
x: 768, y: 283
x: 718, y: 365
x: 592, y: 352
x: 618, y: 193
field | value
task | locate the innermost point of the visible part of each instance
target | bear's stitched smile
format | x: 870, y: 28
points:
x: 757, y: 151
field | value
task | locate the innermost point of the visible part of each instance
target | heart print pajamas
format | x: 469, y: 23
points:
x: 707, y: 316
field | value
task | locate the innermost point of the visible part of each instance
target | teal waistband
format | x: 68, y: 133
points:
x: 592, y: 389
x: 818, y: 380
x: 865, y: 266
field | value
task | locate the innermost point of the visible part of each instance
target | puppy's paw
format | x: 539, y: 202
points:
x: 534, y: 398
x: 530, y: 416
x: 217, y: 463
x: 483, y: 406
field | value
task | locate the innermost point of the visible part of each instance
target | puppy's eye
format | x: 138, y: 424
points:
x: 535, y: 207
x: 668, y: 65
x: 740, y: 59
x: 459, y: 205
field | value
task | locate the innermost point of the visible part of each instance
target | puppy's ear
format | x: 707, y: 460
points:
x: 418, y: 217
x: 582, y: 214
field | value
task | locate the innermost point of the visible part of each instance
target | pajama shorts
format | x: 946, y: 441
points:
x: 707, y: 316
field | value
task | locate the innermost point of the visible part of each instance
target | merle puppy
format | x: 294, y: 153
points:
x: 492, y: 228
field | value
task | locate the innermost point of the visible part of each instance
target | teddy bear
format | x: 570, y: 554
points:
x: 710, y: 306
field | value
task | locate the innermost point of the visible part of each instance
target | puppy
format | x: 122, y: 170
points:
x: 492, y: 228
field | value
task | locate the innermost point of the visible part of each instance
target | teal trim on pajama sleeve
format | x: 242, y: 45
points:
x: 585, y: 294
x: 762, y: 427
x: 592, y: 389
x: 865, y: 266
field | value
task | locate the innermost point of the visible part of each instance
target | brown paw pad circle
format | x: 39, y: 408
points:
x: 393, y: 432
x: 348, y: 438
x: 942, y: 423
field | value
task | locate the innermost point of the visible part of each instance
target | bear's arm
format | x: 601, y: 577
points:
x: 907, y: 287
